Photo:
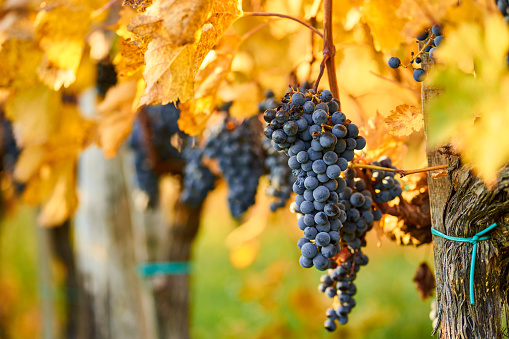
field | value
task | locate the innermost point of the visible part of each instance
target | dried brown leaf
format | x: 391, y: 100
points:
x: 404, y: 120
x: 425, y: 281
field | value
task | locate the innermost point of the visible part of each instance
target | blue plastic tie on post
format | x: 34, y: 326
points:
x: 147, y: 270
x: 473, y: 240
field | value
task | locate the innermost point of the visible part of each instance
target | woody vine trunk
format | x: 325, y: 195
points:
x: 461, y: 206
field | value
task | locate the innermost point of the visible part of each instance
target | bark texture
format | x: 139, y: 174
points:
x: 172, y: 292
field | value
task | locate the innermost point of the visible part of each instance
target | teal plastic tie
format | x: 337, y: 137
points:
x: 473, y: 240
x: 147, y: 270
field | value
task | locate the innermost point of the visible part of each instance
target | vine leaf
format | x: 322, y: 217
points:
x: 117, y: 116
x: 425, y: 281
x: 195, y: 113
x: 404, y: 120
x: 380, y: 142
x: 384, y: 24
x: 61, y: 33
x: 51, y: 145
x: 182, y: 34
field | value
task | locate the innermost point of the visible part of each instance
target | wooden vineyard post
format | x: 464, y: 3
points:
x: 461, y: 205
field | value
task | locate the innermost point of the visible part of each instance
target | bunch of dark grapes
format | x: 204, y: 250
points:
x: 10, y: 152
x: 339, y: 283
x: 279, y: 174
x: 106, y: 77
x: 198, y: 180
x: 357, y: 201
x: 268, y: 103
x: 310, y: 128
x: 239, y: 153
x: 276, y: 164
x: 386, y: 187
x: 158, y: 132
x: 503, y: 6
x: 430, y: 38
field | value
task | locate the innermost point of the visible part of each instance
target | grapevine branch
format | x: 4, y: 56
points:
x: 402, y: 173
x: 329, y: 50
x: 300, y: 21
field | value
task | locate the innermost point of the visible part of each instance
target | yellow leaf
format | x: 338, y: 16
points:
x: 139, y: 5
x: 194, y: 114
x: 223, y: 14
x: 129, y: 58
x: 404, y: 120
x: 20, y: 59
x: 116, y: 117
x: 380, y: 142
x: 385, y: 25
x: 34, y: 113
x: 182, y: 34
x: 61, y: 32
x: 48, y: 165
x: 423, y: 14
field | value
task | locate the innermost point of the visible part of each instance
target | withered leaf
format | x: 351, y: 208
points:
x: 425, y: 281
x: 404, y: 120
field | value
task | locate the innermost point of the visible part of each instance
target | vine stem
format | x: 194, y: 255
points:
x: 300, y: 21
x: 402, y: 173
x: 329, y: 51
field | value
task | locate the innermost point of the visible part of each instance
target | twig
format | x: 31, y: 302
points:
x: 302, y: 22
x: 106, y: 6
x: 328, y: 52
x: 418, y: 95
x: 402, y: 173
x: 247, y: 35
x: 322, y: 69
x: 328, y: 48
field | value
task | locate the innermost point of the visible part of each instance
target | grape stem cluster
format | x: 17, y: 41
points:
x: 402, y: 173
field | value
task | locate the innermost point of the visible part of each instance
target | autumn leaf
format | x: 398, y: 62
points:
x: 182, y: 33
x: 34, y: 113
x: 425, y: 281
x: 20, y: 59
x: 61, y: 33
x: 472, y: 110
x: 404, y: 120
x: 385, y: 25
x: 380, y: 142
x: 116, y: 117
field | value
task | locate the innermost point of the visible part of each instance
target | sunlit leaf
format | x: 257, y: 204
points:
x: 116, y: 117
x: 404, y: 120
x: 61, y: 33
x: 473, y: 110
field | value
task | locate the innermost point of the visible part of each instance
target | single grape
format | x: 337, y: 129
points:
x: 394, y: 62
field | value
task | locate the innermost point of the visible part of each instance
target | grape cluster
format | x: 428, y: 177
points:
x: 198, y: 179
x: 503, y: 7
x: 106, y: 77
x: 356, y: 200
x: 268, y: 103
x: 10, y: 152
x: 339, y: 283
x: 163, y: 126
x: 431, y: 38
x: 320, y: 141
x: 280, y: 176
x: 386, y: 187
x: 239, y: 153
